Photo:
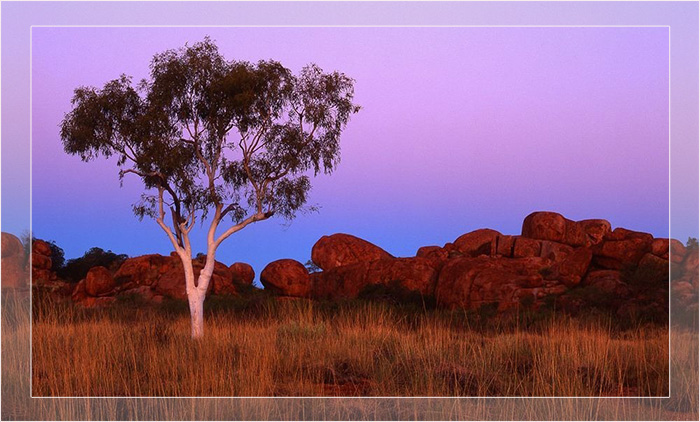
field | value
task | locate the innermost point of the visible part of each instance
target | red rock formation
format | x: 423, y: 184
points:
x: 619, y: 254
x: 478, y: 242
x: 413, y: 274
x: 343, y: 249
x: 286, y: 277
x: 99, y: 282
x: 436, y: 255
x: 242, y: 273
x: 470, y: 282
x: 13, y: 260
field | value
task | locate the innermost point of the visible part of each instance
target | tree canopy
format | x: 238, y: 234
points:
x: 205, y: 133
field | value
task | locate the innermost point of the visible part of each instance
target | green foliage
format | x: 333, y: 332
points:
x: 692, y: 243
x: 204, y: 133
x: 76, y: 269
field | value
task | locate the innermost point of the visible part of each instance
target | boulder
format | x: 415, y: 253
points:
x: 545, y: 226
x: 595, y: 230
x: 242, y: 273
x: 570, y: 269
x: 436, y: 255
x: 39, y: 247
x: 172, y: 283
x: 470, y: 282
x: 343, y: 249
x: 287, y: 277
x: 13, y: 274
x: 555, y: 251
x: 413, y: 274
x: 99, y: 282
x: 661, y: 248
x: 608, y: 281
x: 11, y: 245
x: 79, y: 294
x: 524, y: 247
x: 477, y: 242
x: 145, y: 270
x: 620, y: 254
x: 504, y: 246
x: 625, y: 234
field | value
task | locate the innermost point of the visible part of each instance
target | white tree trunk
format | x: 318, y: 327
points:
x: 196, y: 300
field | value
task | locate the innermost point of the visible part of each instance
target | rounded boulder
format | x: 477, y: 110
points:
x: 99, y: 282
x: 286, y: 277
x: 342, y: 249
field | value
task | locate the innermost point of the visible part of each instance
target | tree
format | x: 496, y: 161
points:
x: 228, y: 142
x: 76, y: 269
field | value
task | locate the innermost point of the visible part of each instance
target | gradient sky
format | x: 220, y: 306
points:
x: 461, y: 128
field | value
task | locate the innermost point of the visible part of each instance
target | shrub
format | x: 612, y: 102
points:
x: 76, y: 269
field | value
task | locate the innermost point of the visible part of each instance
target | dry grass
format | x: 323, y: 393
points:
x: 299, y: 348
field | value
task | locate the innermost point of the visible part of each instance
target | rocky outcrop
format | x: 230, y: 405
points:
x: 341, y: 249
x: 14, y: 275
x: 478, y: 242
x: 553, y: 257
x: 154, y: 277
x: 410, y: 274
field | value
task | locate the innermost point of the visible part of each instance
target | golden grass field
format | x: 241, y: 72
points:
x: 267, y: 347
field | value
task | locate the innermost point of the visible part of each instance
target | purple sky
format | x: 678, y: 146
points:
x: 462, y: 128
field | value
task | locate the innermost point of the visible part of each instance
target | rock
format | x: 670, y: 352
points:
x: 288, y: 277
x: 145, y: 292
x: 608, y: 281
x: 79, y: 294
x: 625, y: 234
x: 39, y: 247
x: 571, y: 269
x: 343, y: 249
x: 504, y: 246
x: 595, y: 230
x: 555, y: 251
x: 524, y: 247
x: 413, y: 274
x: 690, y: 263
x: 470, y: 282
x: 661, y: 247
x: 172, y: 283
x: 13, y: 274
x: 478, y: 242
x: 619, y: 254
x: 11, y: 245
x: 242, y: 273
x: 145, y: 270
x: 436, y: 255
x: 545, y: 226
x: 99, y: 282
x: 41, y: 262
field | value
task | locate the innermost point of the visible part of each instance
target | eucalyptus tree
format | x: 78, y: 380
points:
x: 228, y: 143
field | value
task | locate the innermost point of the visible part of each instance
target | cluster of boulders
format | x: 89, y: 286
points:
x: 150, y: 277
x: 554, y: 257
x: 154, y: 277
